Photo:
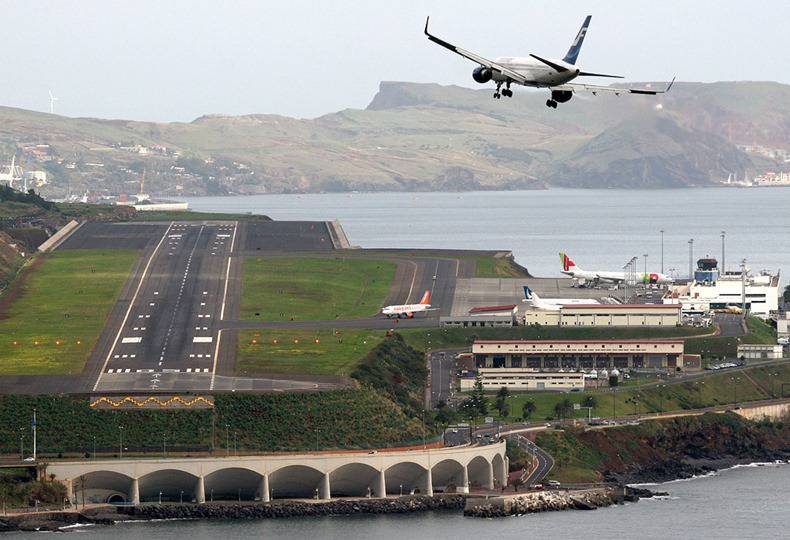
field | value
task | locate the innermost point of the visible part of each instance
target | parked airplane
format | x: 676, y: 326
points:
x: 569, y: 268
x: 408, y: 310
x: 552, y: 304
x: 539, y: 72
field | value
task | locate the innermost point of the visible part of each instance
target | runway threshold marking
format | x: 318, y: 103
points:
x: 131, y: 305
x: 222, y: 309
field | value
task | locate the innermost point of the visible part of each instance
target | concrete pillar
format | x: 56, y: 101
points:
x: 428, y: 485
x: 263, y: 488
x: 323, y: 488
x: 490, y: 476
x: 463, y: 486
x: 200, y: 490
x: 134, y: 492
x: 507, y: 466
x: 501, y: 473
x: 381, y: 485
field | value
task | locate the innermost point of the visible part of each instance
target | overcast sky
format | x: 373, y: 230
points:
x: 176, y: 60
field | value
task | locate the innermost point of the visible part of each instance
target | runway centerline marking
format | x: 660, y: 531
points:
x: 131, y: 305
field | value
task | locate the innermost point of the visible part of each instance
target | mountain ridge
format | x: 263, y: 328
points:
x: 421, y: 137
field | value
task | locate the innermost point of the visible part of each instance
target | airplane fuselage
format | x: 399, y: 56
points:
x: 619, y: 277
x: 538, y: 74
x: 404, y: 310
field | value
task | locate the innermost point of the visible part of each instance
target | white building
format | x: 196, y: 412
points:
x: 524, y: 379
x: 750, y: 351
x: 711, y: 291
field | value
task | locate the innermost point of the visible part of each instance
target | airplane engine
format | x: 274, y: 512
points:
x: 561, y: 96
x: 482, y: 74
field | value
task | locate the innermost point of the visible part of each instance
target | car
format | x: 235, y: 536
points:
x: 29, y: 459
x: 552, y: 484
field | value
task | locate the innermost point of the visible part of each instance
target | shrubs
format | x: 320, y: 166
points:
x: 295, y: 421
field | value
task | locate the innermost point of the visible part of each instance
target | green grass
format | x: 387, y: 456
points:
x: 61, y: 307
x: 296, y: 351
x: 439, y: 338
x: 574, y: 462
x: 752, y: 384
x: 311, y: 288
x: 711, y: 347
x: 487, y: 266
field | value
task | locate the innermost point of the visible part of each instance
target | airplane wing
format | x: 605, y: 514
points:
x: 515, y: 76
x: 594, y: 89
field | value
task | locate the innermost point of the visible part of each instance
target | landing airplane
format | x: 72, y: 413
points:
x: 539, y: 72
x: 552, y: 304
x: 408, y: 310
x: 569, y: 268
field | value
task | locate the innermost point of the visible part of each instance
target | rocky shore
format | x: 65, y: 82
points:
x: 54, y: 521
x: 548, y: 501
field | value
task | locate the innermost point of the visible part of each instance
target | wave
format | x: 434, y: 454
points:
x: 76, y: 525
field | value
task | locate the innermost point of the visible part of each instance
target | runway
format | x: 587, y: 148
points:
x: 167, y: 337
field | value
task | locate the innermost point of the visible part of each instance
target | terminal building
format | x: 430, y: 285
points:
x: 711, y: 290
x: 525, y: 380
x: 579, y: 354
x: 607, y: 315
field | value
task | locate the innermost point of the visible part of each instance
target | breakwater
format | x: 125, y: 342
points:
x: 548, y: 501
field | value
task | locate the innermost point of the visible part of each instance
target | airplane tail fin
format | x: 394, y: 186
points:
x: 426, y: 298
x: 576, y: 46
x: 527, y: 293
x: 567, y: 262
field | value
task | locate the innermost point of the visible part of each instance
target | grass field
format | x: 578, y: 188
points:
x: 305, y: 288
x: 712, y: 347
x: 487, y: 266
x: 439, y: 338
x: 58, y: 307
x: 296, y: 351
x: 720, y: 389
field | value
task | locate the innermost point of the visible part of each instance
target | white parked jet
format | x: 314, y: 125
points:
x: 553, y: 304
x: 539, y: 72
x: 408, y: 310
x: 569, y: 268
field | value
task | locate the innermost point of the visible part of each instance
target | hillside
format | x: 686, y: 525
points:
x: 421, y: 137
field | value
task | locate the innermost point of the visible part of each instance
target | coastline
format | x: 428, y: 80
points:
x: 462, y: 505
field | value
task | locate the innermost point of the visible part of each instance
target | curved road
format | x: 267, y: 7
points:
x: 544, y: 460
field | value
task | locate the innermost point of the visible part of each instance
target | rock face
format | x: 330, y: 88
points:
x: 547, y: 501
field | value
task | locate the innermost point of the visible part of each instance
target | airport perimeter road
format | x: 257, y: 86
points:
x: 167, y: 337
x: 442, y: 366
x: 730, y: 324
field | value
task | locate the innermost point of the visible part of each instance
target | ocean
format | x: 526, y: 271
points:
x: 599, y: 229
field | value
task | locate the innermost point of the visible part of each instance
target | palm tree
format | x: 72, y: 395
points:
x: 528, y: 409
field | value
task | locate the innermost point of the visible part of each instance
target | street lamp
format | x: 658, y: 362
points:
x: 120, y: 441
x: 227, y: 440
x: 181, y: 497
x: 94, y: 447
x: 160, y: 498
x: 164, y: 444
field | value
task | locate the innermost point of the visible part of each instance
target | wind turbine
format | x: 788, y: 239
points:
x: 52, y: 100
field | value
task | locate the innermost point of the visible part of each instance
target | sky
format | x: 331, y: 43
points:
x: 175, y: 60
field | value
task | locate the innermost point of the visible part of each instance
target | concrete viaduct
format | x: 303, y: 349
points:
x: 283, y: 476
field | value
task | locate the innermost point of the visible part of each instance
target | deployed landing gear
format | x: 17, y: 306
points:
x: 498, y: 93
x: 550, y: 103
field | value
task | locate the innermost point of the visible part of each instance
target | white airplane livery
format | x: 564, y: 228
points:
x: 408, y: 310
x: 569, y: 268
x: 552, y: 304
x: 539, y: 72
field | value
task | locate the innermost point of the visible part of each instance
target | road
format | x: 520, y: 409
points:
x: 544, y: 460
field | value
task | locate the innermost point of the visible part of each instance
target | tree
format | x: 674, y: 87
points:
x: 590, y: 401
x: 613, y: 380
x: 479, y: 397
x: 528, y: 409
x: 562, y: 409
x: 503, y: 393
